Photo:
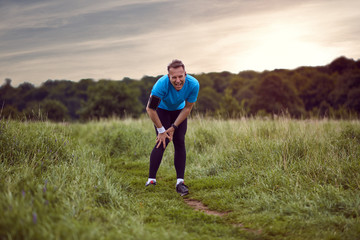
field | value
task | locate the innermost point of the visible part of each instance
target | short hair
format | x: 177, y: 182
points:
x: 175, y: 64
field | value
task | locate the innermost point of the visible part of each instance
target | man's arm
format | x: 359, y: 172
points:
x: 184, y: 113
x: 161, y: 138
x: 182, y: 116
x: 151, y: 107
x: 154, y: 116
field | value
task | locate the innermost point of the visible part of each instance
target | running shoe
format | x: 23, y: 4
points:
x: 152, y: 182
x: 182, y: 189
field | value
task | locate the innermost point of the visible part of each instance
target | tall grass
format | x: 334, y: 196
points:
x: 282, y: 176
x: 288, y: 179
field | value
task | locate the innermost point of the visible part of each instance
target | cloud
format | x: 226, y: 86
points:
x: 74, y: 39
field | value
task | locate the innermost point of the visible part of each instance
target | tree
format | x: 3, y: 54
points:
x: 332, y: 89
x: 221, y: 80
x: 24, y: 90
x: 7, y: 93
x: 48, y: 109
x: 110, y: 98
x: 249, y: 74
x: 208, y: 100
x: 275, y: 96
x: 299, y: 81
x: 145, y: 85
x: 54, y: 110
x: 64, y: 91
x: 341, y: 64
x: 353, y: 100
x: 9, y: 112
x: 229, y: 106
x: 344, y: 85
x: 204, y: 80
x: 318, y: 91
x: 82, y: 87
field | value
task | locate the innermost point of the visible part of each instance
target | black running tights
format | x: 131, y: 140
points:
x: 167, y: 118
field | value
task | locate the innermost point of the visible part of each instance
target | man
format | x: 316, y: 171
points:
x: 170, y: 103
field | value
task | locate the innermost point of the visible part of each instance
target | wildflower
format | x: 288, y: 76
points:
x: 44, y: 189
x: 23, y: 193
x: 34, y: 215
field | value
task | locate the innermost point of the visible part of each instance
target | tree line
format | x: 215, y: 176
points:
x: 331, y: 91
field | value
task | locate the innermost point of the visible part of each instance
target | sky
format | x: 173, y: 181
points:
x: 113, y: 39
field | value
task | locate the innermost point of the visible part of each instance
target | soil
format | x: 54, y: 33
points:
x: 199, y: 206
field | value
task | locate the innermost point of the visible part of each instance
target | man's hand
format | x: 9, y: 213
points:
x: 170, y: 131
x: 161, y: 138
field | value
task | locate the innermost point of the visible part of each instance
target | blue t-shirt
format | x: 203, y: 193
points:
x: 171, y: 99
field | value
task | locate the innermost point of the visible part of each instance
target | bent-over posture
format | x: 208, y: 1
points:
x: 170, y: 103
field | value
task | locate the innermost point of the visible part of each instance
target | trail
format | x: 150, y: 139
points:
x: 131, y: 169
x: 199, y: 206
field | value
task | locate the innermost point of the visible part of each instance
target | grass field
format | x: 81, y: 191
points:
x: 274, y: 179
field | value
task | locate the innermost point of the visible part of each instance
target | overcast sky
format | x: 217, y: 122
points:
x: 113, y: 39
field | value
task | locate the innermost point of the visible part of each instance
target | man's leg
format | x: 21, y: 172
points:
x: 180, y: 151
x: 180, y: 158
x: 180, y: 155
x: 155, y: 159
x: 157, y: 153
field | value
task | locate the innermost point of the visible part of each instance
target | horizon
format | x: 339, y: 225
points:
x: 146, y: 75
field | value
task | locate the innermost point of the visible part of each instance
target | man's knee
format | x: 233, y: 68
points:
x: 179, y: 142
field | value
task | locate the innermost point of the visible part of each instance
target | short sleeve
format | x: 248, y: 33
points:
x: 194, y: 93
x: 159, y: 88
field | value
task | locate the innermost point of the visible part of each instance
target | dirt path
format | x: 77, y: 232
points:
x: 199, y: 206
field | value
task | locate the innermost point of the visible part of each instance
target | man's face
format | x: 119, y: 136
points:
x: 177, y: 77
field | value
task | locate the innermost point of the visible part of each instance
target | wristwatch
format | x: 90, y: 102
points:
x: 174, y: 126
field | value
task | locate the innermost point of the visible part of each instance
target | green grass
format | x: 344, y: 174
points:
x: 283, y: 179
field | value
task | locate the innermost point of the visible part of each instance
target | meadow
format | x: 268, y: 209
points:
x: 271, y: 178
